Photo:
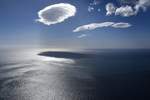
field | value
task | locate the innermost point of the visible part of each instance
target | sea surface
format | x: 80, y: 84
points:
x: 65, y: 75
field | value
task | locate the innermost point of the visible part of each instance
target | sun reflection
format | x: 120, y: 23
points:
x: 54, y: 59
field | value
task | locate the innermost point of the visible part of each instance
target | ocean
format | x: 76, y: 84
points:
x: 120, y: 74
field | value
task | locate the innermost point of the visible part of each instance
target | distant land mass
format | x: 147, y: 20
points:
x: 63, y: 54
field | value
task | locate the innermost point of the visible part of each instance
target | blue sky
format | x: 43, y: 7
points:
x: 98, y: 23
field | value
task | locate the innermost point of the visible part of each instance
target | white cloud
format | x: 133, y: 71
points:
x: 95, y: 2
x: 56, y: 13
x: 121, y: 25
x: 90, y: 9
x: 82, y: 36
x: 128, y: 2
x: 144, y: 4
x: 93, y: 26
x: 110, y: 8
x: 93, y: 6
x: 125, y: 11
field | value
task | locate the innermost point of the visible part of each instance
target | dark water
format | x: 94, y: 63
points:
x: 99, y: 75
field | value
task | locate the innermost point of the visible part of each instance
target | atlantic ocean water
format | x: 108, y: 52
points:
x: 93, y: 75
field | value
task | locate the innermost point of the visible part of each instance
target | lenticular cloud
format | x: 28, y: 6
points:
x: 93, y: 26
x: 56, y: 13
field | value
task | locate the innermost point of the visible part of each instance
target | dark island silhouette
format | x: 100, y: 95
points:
x: 63, y: 54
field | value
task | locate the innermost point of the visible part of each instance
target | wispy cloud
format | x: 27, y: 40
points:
x: 127, y: 10
x: 93, y: 26
x: 56, y: 13
x: 93, y: 6
x: 82, y: 36
x: 121, y: 25
x: 90, y: 8
x: 95, y: 2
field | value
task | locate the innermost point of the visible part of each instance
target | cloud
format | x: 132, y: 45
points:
x: 110, y: 8
x: 144, y: 4
x: 90, y: 9
x: 56, y: 13
x: 121, y: 25
x: 95, y: 2
x: 93, y: 6
x: 93, y: 26
x: 128, y: 2
x: 129, y: 8
x: 82, y: 36
x: 125, y: 11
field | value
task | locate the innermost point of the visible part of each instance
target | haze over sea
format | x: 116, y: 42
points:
x: 119, y: 74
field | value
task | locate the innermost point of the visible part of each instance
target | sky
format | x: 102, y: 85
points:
x: 83, y: 24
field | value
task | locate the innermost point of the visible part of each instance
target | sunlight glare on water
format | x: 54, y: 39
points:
x: 30, y: 76
x: 54, y: 59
